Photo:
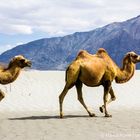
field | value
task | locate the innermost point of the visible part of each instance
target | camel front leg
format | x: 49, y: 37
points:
x: 112, y: 98
x: 105, y: 104
x: 80, y: 97
x: 2, y: 95
x: 107, y: 87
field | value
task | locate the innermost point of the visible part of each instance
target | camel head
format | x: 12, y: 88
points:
x: 132, y: 57
x: 20, y: 61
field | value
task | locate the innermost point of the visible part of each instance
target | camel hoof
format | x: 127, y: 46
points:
x: 92, y: 115
x: 101, y: 109
x: 61, y: 115
x: 107, y: 115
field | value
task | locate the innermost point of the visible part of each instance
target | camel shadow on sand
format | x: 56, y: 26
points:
x: 50, y: 117
x: 55, y: 117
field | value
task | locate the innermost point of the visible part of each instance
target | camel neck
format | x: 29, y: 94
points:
x: 14, y: 71
x: 9, y: 75
x: 126, y: 73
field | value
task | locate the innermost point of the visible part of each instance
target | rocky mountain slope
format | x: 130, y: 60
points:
x: 56, y: 53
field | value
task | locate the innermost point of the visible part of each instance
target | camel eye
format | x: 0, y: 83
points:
x: 22, y: 60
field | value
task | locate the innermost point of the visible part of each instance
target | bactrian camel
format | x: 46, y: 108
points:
x: 95, y: 70
x: 10, y: 74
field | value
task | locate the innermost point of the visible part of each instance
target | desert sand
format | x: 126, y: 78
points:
x: 30, y: 110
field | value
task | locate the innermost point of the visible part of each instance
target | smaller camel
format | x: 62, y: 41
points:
x: 95, y: 70
x: 10, y: 74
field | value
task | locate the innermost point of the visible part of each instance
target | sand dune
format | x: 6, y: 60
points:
x: 30, y: 110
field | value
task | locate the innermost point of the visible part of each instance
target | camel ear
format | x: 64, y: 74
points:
x: 128, y: 54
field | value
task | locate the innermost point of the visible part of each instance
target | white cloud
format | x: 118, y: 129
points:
x: 62, y: 17
x: 15, y: 29
x: 23, y: 29
x: 6, y: 47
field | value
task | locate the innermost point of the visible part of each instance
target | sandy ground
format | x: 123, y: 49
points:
x: 30, y: 110
x: 124, y: 124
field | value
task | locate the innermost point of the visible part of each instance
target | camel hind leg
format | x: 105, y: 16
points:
x: 80, y: 97
x: 61, y: 98
x: 71, y: 78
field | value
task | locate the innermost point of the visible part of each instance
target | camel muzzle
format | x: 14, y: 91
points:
x: 29, y: 63
x: 138, y: 59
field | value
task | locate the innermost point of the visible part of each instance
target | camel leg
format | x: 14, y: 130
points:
x: 61, y: 98
x: 80, y: 97
x: 107, y: 87
x: 2, y: 95
x: 113, y: 98
x: 72, y: 73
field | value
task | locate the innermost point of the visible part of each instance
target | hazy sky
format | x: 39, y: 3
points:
x: 22, y: 21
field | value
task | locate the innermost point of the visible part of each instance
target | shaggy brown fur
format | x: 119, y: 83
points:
x: 10, y: 74
x: 95, y: 70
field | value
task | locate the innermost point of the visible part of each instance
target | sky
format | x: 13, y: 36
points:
x: 22, y: 21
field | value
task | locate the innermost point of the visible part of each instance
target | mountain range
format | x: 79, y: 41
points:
x: 56, y: 53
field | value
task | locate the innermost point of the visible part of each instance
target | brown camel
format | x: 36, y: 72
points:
x: 95, y: 70
x: 10, y: 74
